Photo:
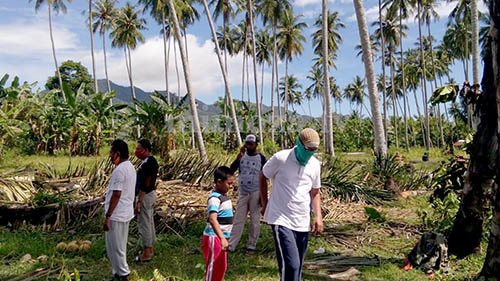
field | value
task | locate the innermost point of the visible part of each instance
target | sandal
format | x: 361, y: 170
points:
x: 138, y: 259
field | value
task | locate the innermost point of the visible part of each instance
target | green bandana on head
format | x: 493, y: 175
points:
x: 301, y: 153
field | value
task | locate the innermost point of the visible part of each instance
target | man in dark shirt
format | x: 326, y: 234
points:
x: 146, y: 198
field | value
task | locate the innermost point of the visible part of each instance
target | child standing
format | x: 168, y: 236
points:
x: 219, y: 225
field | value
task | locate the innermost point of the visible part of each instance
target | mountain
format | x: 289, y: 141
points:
x: 206, y: 112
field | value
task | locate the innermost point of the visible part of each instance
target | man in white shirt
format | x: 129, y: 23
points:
x: 296, y: 187
x: 119, y: 209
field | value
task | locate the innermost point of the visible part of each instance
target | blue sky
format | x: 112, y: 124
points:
x: 26, y: 50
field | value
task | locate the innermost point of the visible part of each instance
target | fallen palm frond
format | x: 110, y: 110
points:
x: 338, y: 263
x: 190, y: 167
x: 14, y: 190
x: 342, y: 182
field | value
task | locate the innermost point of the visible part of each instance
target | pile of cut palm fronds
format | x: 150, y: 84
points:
x: 15, y: 190
x: 188, y: 166
x: 341, y: 181
x: 338, y: 263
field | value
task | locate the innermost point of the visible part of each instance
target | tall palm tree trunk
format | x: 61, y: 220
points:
x: 106, y: 72
x: 254, y: 57
x: 394, y: 108
x: 384, y: 97
x: 380, y: 144
x: 187, y: 76
x: 422, y: 59
x: 278, y: 100
x: 54, y: 51
x: 483, y: 166
x: 224, y: 74
x: 131, y: 80
x: 96, y: 87
x: 285, y: 102
x: 243, y: 74
x: 440, y: 121
x: 106, y: 62
x: 326, y: 82
x: 165, y: 56
x: 273, y: 80
x: 475, y: 52
x: 405, y: 102
x: 177, y: 71
x: 491, y: 267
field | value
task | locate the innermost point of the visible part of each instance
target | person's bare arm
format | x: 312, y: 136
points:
x: 316, y: 206
x: 115, y: 197
x: 263, y: 192
x: 212, y: 219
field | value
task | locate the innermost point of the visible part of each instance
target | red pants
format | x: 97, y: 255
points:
x: 215, y: 258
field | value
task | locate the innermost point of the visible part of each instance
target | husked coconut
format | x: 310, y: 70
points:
x: 84, y: 247
x: 61, y: 247
x: 86, y: 242
x: 73, y: 247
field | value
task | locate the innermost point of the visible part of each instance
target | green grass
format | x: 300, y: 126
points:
x: 182, y: 257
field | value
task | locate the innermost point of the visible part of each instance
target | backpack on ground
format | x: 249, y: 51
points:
x: 430, y: 253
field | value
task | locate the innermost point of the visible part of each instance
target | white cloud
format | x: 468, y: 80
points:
x: 32, y: 39
x: 371, y: 14
x: 303, y: 3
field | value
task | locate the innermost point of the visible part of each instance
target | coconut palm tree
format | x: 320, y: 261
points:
x: 57, y: 6
x: 290, y: 41
x: 250, y: 11
x: 159, y: 11
x: 96, y: 87
x: 224, y: 73
x: 380, y: 144
x: 424, y: 82
x: 391, y: 33
x: 403, y: 8
x: 126, y: 35
x: 104, y: 15
x: 264, y: 56
x: 272, y: 11
x: 187, y: 76
x: 224, y: 8
x: 326, y: 42
x: 291, y: 91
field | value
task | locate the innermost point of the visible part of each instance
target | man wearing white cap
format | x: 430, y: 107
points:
x: 296, y: 187
x: 249, y: 163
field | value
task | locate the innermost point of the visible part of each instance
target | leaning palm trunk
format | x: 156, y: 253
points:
x: 278, y: 100
x: 96, y: 87
x: 422, y: 60
x: 254, y: 57
x: 380, y: 144
x: 54, y: 52
x: 187, y: 76
x: 106, y: 72
x: 433, y: 65
x: 224, y: 74
x: 326, y: 81
x: 165, y: 56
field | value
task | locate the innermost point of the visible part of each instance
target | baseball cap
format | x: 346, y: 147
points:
x: 251, y: 138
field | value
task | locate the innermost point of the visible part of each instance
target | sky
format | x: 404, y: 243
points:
x: 26, y: 50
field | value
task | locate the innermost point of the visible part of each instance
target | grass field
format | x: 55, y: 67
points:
x: 182, y: 257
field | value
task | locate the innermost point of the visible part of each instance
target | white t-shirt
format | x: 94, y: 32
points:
x: 122, y: 179
x: 290, y: 201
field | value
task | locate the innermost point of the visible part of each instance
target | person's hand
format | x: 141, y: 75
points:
x: 317, y: 226
x: 242, y: 152
x: 224, y: 244
x: 106, y: 224
x: 263, y: 204
x: 137, y: 208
